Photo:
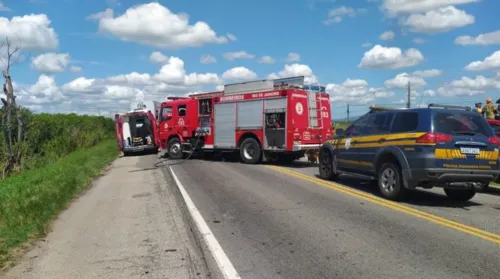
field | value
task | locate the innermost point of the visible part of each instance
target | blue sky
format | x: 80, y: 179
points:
x: 99, y: 56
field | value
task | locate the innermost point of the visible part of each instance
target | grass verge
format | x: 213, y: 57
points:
x: 30, y: 200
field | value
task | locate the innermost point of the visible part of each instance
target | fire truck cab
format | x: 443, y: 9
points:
x: 267, y: 119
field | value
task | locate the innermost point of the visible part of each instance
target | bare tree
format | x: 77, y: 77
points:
x: 11, y: 110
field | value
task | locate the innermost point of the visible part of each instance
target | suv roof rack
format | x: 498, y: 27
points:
x: 449, y: 106
x: 382, y: 108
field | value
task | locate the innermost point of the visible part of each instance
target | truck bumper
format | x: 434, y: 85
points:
x: 442, y: 177
x: 299, y: 147
x: 136, y: 149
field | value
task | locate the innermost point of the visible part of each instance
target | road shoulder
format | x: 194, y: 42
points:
x: 128, y: 225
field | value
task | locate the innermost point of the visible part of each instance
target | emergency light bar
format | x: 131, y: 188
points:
x: 449, y: 106
x: 382, y: 108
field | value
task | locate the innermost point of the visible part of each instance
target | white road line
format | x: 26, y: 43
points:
x: 226, y: 267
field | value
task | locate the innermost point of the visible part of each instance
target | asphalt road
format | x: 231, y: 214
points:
x: 275, y: 224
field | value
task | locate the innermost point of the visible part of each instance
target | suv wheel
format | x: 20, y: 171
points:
x: 460, y: 194
x: 390, y: 182
x: 328, y: 166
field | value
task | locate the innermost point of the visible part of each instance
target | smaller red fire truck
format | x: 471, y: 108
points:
x: 267, y: 119
x: 136, y: 131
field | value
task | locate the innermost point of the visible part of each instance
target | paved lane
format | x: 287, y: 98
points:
x: 483, y: 211
x: 274, y: 225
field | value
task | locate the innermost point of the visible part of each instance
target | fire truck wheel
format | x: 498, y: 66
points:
x: 250, y: 152
x: 174, y: 149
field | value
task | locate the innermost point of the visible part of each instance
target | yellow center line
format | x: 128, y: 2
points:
x: 493, y: 237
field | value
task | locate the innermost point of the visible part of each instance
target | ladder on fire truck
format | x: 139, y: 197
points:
x: 314, y: 121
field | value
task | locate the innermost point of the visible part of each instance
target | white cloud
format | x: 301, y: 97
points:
x: 173, y: 73
x: 467, y: 86
x: 429, y: 93
x: 155, y: 25
x: 394, y: 7
x: 427, y: 73
x: 32, y: 32
x: 117, y: 93
x: 75, y: 69
x: 133, y: 78
x: 293, y: 57
x: 367, y: 44
x: 80, y: 85
x: 207, y: 59
x: 266, y: 60
x: 3, y: 8
x: 390, y: 58
x: 355, y: 91
x: 294, y: 70
x: 43, y: 93
x: 337, y: 15
x: 401, y: 81
x: 50, y: 62
x: 238, y: 55
x: 158, y: 58
x: 439, y: 20
x: 231, y: 37
x: 491, y: 38
x: 418, y: 41
x: 388, y: 35
x: 491, y: 62
x: 239, y: 74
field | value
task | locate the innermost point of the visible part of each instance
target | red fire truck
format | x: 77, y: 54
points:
x: 267, y: 119
x: 136, y: 131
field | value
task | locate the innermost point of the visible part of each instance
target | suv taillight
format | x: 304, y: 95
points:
x: 494, y: 140
x: 434, y: 138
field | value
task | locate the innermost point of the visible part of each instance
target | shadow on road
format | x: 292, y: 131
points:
x: 493, y: 191
x: 415, y: 197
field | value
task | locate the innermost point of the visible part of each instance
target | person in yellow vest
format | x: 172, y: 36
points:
x: 478, y: 108
x: 489, y: 110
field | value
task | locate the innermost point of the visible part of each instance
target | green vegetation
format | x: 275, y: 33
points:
x: 48, y: 137
x: 59, y: 154
x: 29, y: 200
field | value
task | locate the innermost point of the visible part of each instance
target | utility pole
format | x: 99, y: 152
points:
x: 409, y: 95
x: 347, y: 112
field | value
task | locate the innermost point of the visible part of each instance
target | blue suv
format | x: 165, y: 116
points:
x: 439, y: 146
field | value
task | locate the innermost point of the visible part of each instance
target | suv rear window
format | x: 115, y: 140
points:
x: 456, y: 122
x: 406, y: 121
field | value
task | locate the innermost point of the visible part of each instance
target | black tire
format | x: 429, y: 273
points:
x: 250, y: 152
x: 327, y: 166
x: 462, y: 195
x: 174, y: 149
x: 390, y: 182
